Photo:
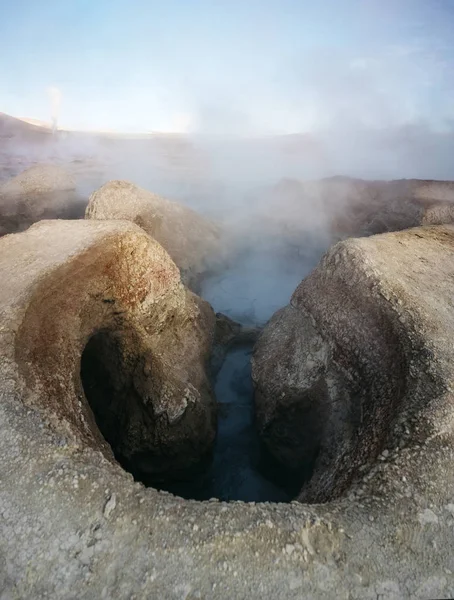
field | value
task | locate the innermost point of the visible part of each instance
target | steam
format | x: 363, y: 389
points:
x: 55, y: 96
x: 250, y: 185
x: 249, y: 101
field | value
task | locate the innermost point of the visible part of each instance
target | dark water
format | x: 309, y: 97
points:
x: 236, y: 473
x: 238, y: 466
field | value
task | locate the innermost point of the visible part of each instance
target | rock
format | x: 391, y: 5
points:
x: 428, y: 517
x: 58, y: 477
x: 282, y: 410
x: 110, y: 506
x: 229, y: 333
x: 438, y: 213
x: 360, y: 358
x: 40, y: 192
x: 110, y: 319
x: 40, y: 179
x: 355, y: 207
x: 192, y: 241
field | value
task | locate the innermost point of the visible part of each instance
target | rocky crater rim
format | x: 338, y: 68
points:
x: 65, y: 502
x: 111, y: 287
x: 362, y: 358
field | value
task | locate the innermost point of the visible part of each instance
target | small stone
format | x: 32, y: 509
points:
x: 110, y: 506
x: 295, y: 583
x: 86, y: 555
x: 427, y: 516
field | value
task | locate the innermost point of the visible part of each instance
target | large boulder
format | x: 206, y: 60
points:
x: 438, y: 213
x: 73, y: 523
x: 192, y: 241
x: 110, y: 335
x: 40, y: 192
x: 362, y: 360
x: 40, y: 179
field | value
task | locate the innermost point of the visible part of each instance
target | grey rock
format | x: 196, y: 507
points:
x: 360, y: 363
x: 40, y: 192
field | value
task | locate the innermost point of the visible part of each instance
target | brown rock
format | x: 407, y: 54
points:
x: 192, y: 241
x: 40, y: 179
x: 107, y: 319
x: 288, y: 362
x: 438, y: 213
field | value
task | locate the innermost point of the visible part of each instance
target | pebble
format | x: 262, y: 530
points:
x: 110, y: 506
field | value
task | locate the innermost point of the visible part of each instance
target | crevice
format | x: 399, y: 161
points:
x: 239, y: 466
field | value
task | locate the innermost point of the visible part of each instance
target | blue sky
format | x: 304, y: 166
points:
x: 230, y: 66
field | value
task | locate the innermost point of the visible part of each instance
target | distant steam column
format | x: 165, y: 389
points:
x: 55, y: 102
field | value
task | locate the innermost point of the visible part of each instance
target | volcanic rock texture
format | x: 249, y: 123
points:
x: 361, y: 360
x: 104, y: 301
x: 192, y: 241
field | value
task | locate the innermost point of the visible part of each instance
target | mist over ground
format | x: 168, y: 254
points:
x: 243, y: 183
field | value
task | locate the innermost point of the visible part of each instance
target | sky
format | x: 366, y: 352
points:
x: 228, y: 67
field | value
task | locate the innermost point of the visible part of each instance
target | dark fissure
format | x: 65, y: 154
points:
x: 239, y: 467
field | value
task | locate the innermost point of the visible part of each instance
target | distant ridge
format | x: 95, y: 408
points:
x: 12, y: 126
